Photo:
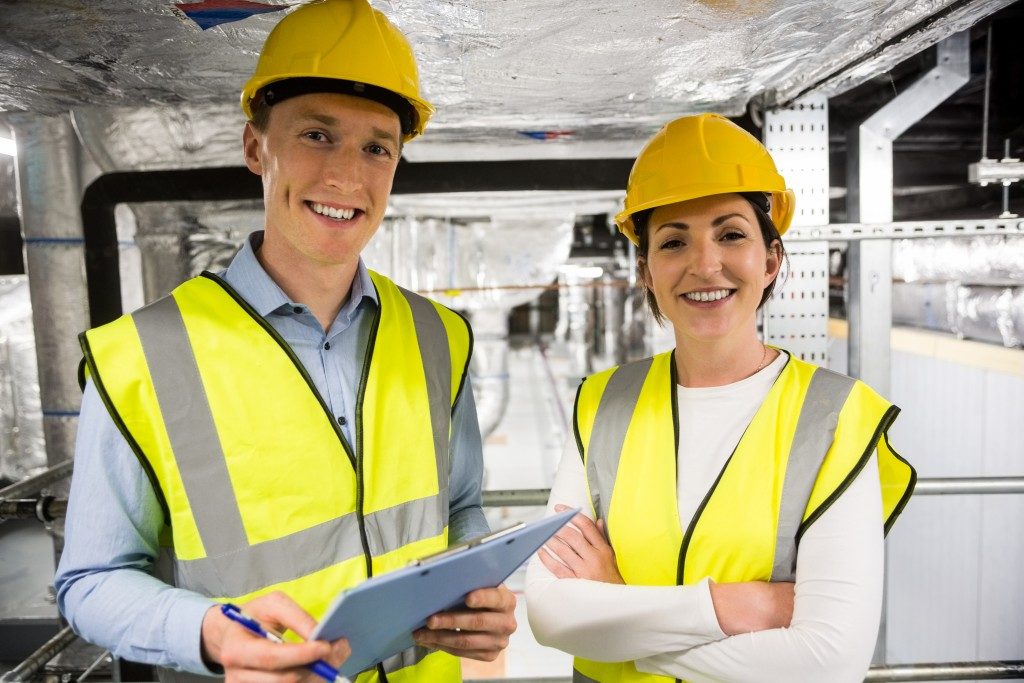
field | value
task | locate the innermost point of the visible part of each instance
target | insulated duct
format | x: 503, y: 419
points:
x: 22, y: 447
x: 49, y: 191
x: 489, y: 366
x: 972, y: 287
x: 509, y: 80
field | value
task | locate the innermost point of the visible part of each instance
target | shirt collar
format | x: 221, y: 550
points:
x: 246, y: 275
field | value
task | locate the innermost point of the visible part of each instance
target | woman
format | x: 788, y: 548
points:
x: 701, y: 471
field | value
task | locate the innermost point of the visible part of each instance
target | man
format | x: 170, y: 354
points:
x: 285, y: 429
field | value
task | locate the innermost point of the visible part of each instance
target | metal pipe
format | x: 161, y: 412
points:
x: 45, y: 509
x: 516, y: 497
x: 34, y: 484
x: 960, y: 485
x: 952, y: 671
x: 925, y: 487
x: 102, y: 659
x: 38, y: 659
x: 988, y: 82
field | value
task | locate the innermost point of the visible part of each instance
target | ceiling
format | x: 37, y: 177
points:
x: 511, y: 80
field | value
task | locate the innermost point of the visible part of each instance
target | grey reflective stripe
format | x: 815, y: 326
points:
x: 189, y: 421
x: 394, y: 527
x: 249, y: 568
x: 577, y: 677
x: 437, y: 367
x: 414, y: 655
x: 614, y: 413
x: 814, y: 433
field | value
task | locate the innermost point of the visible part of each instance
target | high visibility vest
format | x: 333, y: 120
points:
x: 260, y: 489
x: 809, y: 439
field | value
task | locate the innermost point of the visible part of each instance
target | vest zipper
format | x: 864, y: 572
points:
x: 360, y: 393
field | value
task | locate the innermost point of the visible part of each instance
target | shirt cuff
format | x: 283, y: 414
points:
x: 187, y: 619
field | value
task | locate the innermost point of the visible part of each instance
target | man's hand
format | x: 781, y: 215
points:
x: 480, y: 632
x: 246, y: 656
x: 582, y: 552
x: 752, y: 605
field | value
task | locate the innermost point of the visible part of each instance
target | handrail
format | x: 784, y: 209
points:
x: 34, y: 484
x: 951, y: 671
x: 925, y: 487
x: 38, y: 659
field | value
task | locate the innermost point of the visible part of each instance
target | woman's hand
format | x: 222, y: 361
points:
x: 752, y: 605
x: 582, y: 552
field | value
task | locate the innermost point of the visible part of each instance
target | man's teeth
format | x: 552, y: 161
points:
x: 334, y: 213
x: 708, y: 296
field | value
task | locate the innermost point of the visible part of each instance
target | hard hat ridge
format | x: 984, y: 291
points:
x: 699, y: 156
x: 341, y: 46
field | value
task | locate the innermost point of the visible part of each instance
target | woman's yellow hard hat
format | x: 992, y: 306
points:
x: 698, y: 156
x: 346, y: 41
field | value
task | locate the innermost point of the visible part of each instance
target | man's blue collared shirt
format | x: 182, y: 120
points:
x: 113, y: 524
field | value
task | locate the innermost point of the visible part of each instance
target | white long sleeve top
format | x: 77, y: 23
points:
x: 673, y: 630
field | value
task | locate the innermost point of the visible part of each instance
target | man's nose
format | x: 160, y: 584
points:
x: 343, y: 171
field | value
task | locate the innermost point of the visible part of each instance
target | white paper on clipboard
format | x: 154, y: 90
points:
x: 379, y: 615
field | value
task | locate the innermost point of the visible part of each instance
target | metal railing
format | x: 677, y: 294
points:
x: 940, y: 486
x: 953, y: 671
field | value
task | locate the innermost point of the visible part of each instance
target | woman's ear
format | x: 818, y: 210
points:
x: 644, y: 272
x: 773, y: 262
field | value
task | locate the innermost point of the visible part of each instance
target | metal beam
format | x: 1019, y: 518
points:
x: 870, y: 198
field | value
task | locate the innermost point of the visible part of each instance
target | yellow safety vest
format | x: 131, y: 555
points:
x: 811, y: 436
x: 261, y: 490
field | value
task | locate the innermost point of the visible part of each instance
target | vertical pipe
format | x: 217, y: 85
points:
x: 49, y: 195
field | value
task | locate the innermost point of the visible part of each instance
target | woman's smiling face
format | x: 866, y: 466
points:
x: 707, y: 265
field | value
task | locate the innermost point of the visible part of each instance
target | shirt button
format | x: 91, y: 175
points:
x: 327, y: 346
x: 342, y: 421
x: 297, y: 310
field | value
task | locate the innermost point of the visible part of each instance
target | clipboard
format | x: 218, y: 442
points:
x: 379, y: 615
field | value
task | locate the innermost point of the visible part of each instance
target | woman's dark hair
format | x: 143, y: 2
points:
x: 769, y: 233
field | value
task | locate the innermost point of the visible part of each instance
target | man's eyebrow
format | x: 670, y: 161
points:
x: 316, y: 116
x: 329, y: 120
x: 385, y: 134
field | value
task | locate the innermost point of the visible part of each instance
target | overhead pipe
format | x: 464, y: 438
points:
x: 101, y: 197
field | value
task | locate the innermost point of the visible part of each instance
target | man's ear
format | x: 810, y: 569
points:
x: 251, y: 148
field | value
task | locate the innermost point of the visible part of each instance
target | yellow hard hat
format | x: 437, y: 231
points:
x: 347, y: 42
x: 698, y: 156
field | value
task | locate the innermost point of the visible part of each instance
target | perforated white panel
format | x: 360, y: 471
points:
x: 796, y: 317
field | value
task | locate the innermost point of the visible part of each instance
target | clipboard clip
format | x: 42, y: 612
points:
x: 465, y: 545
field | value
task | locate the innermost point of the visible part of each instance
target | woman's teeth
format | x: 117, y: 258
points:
x: 708, y: 296
x: 333, y: 213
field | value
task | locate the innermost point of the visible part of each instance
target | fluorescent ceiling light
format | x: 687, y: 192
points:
x: 7, y: 147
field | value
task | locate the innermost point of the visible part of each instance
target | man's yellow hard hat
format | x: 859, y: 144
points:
x: 698, y: 156
x: 348, y: 47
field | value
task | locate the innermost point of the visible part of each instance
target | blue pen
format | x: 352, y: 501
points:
x: 319, y: 667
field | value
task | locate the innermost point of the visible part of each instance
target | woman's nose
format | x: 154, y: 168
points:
x: 707, y: 259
